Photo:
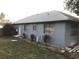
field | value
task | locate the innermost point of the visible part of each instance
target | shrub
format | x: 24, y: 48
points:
x: 46, y: 38
x: 33, y: 37
x: 9, y: 30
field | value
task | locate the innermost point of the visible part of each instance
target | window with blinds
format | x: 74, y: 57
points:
x: 48, y: 28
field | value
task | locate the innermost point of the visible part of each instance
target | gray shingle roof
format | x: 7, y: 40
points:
x: 47, y: 16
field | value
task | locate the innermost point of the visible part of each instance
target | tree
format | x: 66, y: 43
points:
x: 72, y: 6
x: 2, y: 15
x: 9, y: 30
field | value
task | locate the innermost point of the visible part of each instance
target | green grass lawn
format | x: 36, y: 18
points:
x: 24, y: 50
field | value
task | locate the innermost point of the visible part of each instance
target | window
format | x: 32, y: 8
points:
x: 74, y: 27
x: 34, y: 27
x: 48, y: 28
x: 25, y: 27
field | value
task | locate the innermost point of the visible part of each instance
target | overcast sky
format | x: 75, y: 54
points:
x: 18, y: 9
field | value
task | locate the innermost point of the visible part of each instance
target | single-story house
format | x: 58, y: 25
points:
x: 62, y: 28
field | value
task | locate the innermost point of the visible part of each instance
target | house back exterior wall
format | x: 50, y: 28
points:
x: 57, y: 37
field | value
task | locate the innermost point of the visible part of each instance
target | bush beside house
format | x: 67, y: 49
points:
x: 1, y: 32
x: 8, y: 30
